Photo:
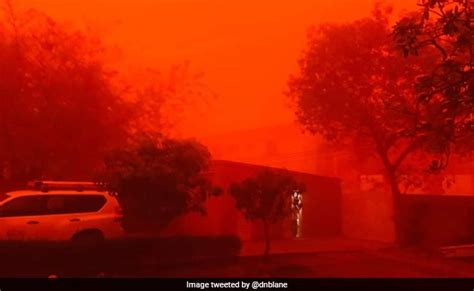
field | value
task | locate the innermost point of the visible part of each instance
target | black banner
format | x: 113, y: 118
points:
x: 236, y: 284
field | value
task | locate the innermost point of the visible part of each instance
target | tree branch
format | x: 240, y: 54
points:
x: 411, y: 147
x: 440, y: 48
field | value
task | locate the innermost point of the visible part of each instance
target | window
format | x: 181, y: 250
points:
x: 62, y: 204
x: 52, y: 204
x: 24, y: 206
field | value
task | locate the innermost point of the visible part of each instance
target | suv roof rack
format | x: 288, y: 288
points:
x: 45, y: 186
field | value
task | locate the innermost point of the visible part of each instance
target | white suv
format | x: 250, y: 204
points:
x: 59, y: 211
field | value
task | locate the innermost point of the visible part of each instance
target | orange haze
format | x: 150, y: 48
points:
x: 246, y: 49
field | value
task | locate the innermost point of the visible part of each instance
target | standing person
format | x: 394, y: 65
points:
x: 297, y: 206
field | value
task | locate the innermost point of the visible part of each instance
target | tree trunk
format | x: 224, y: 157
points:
x: 266, y: 233
x: 391, y: 174
x: 400, y: 237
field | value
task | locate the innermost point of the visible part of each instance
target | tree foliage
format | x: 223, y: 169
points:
x: 444, y: 27
x: 267, y: 197
x: 162, y: 98
x: 157, y: 179
x: 353, y: 84
x: 59, y: 108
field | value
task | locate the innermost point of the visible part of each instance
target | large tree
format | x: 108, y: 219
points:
x: 447, y: 28
x: 157, y: 179
x: 268, y: 197
x: 163, y: 98
x: 59, y: 108
x: 354, y: 85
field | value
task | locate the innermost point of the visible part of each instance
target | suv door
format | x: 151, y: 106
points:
x: 20, y: 217
x: 68, y: 214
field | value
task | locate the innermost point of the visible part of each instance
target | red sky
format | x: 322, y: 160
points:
x: 246, y: 49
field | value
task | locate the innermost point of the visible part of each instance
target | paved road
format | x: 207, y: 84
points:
x: 352, y: 264
x: 332, y: 244
x: 347, y: 264
x: 301, y: 258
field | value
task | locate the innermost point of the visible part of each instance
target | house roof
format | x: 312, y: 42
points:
x: 248, y: 165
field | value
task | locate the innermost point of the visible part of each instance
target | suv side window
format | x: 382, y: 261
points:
x: 89, y: 203
x: 24, y: 206
x: 63, y: 204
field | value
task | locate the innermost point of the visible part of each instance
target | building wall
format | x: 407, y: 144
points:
x: 439, y: 220
x: 366, y: 207
x: 321, y: 208
x: 367, y: 215
x: 367, y: 200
